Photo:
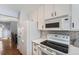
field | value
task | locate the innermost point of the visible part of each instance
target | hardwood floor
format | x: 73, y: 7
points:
x: 9, y: 48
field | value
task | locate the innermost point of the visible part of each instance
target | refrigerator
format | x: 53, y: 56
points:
x: 27, y: 31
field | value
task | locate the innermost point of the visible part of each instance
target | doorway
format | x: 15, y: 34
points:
x: 8, y: 36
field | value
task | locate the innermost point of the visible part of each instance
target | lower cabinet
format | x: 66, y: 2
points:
x: 35, y: 49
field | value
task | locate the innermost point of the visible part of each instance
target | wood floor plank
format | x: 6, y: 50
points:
x: 10, y: 48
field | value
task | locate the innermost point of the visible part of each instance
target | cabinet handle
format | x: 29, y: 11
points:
x: 73, y: 25
x: 55, y: 13
x: 34, y: 49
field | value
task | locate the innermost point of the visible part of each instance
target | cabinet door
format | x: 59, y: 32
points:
x: 35, y: 49
x: 61, y: 9
x: 41, y: 18
x: 75, y: 17
x: 49, y: 11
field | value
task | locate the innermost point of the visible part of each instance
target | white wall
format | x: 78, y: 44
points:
x: 22, y: 32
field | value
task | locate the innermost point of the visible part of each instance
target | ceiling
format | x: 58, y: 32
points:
x: 18, y: 7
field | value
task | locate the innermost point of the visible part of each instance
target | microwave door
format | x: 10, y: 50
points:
x: 52, y: 25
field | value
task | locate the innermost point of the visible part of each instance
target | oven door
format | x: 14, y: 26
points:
x: 53, y: 24
x: 44, y: 51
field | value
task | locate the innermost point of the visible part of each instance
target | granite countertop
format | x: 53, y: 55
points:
x: 73, y: 50
x: 38, y: 40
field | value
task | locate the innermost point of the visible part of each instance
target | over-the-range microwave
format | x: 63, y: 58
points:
x: 58, y: 23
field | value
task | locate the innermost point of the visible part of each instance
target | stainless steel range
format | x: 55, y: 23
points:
x: 59, y: 44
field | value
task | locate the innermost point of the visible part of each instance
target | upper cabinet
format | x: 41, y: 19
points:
x: 38, y: 16
x: 55, y: 10
x: 41, y: 18
x: 48, y: 11
x: 75, y: 17
x: 61, y: 9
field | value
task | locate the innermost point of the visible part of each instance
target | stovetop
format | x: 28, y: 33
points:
x: 56, y: 45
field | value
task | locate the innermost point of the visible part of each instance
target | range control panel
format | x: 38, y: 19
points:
x: 59, y: 38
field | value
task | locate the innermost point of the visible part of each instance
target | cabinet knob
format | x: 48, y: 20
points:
x: 35, y: 49
x: 55, y: 13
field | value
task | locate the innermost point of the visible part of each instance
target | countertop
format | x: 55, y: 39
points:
x: 38, y: 40
x: 73, y: 50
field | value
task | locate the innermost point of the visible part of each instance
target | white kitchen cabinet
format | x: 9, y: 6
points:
x: 61, y: 9
x: 48, y: 11
x: 41, y: 18
x: 55, y: 10
x: 37, y: 16
x: 35, y: 49
x: 75, y: 17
